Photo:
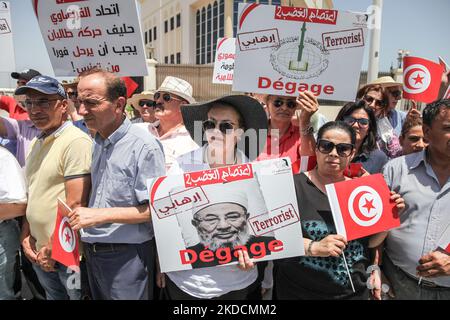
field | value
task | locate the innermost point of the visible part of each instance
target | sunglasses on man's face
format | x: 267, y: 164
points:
x: 342, y: 149
x: 225, y: 127
x: 291, y: 104
x: 362, y: 122
x: 72, y: 95
x: 165, y: 96
x: 370, y: 100
x: 396, y: 94
x: 147, y: 103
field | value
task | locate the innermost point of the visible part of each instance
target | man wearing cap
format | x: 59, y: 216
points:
x: 117, y: 231
x: 9, y: 104
x: 171, y: 95
x: 144, y: 104
x: 58, y: 166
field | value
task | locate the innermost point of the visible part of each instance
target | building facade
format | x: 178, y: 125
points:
x: 186, y: 31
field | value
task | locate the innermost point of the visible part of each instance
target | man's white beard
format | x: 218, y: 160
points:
x: 213, y: 244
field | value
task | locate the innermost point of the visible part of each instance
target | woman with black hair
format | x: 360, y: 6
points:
x: 362, y: 119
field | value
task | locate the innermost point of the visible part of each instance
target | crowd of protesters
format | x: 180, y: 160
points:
x: 75, y: 142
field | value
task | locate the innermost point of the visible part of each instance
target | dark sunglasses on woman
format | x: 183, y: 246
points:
x: 224, y: 126
x: 166, y: 97
x: 342, y: 149
x: 362, y: 122
x: 291, y: 104
x: 396, y: 93
x: 148, y: 103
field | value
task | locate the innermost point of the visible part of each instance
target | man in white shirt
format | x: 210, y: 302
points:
x: 13, y: 199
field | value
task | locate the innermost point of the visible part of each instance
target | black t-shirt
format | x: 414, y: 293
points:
x: 317, y: 277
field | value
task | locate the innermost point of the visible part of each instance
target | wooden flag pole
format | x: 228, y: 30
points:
x: 348, y: 271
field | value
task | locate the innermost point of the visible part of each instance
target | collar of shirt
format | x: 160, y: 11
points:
x: 116, y: 135
x: 55, y: 134
x: 418, y: 159
x: 290, y: 131
x: 180, y: 129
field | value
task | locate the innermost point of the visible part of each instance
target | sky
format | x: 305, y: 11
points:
x: 421, y: 27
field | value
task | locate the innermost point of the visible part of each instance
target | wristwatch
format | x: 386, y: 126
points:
x: 307, y: 131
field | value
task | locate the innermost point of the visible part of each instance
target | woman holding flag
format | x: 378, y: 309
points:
x: 323, y: 272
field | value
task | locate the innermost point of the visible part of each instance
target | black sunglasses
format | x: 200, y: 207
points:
x: 73, y: 94
x: 224, y: 126
x: 148, y: 103
x: 342, y: 149
x: 362, y: 122
x: 166, y: 97
x: 370, y: 99
x: 291, y: 104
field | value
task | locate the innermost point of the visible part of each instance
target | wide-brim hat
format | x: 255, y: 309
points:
x: 386, y: 81
x: 178, y: 87
x: 252, y: 113
x: 134, y: 100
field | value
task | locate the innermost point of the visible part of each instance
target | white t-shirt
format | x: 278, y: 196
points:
x: 12, y: 181
x: 207, y: 283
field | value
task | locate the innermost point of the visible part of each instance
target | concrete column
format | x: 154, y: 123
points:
x: 150, y: 80
x: 374, y: 25
x: 228, y: 19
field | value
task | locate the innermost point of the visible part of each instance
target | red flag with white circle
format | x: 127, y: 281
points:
x: 65, y: 246
x: 421, y: 79
x: 362, y: 207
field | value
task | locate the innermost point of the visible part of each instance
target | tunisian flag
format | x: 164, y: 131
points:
x: 444, y: 241
x: 65, y: 247
x: 421, y: 79
x: 362, y: 206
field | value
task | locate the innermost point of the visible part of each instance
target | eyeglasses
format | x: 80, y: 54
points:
x: 148, y: 103
x: 342, y: 149
x: 72, y: 94
x: 224, y: 126
x: 90, y: 103
x: 166, y: 97
x: 291, y: 104
x: 362, y: 122
x: 396, y: 93
x: 42, y: 103
x: 370, y: 99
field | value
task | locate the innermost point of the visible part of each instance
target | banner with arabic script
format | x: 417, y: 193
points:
x: 287, y: 50
x: 224, y: 61
x: 7, y: 62
x: 81, y: 35
x: 201, y: 219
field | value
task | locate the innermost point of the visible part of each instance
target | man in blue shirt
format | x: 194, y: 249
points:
x: 116, y: 229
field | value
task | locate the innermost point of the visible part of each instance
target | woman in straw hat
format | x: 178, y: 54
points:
x: 229, y: 130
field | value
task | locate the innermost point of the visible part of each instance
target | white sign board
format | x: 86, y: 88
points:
x: 80, y: 35
x: 224, y: 61
x: 287, y: 50
x: 201, y: 219
x: 7, y: 62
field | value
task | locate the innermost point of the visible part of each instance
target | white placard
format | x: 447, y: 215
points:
x: 224, y: 61
x: 201, y: 218
x: 286, y: 50
x: 7, y: 62
x: 80, y: 35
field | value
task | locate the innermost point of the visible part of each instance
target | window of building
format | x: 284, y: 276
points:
x: 264, y: 1
x: 178, y: 57
x: 178, y: 20
x: 154, y: 33
x: 150, y: 35
x: 215, y: 28
x: 197, y: 37
x: 172, y: 59
x: 166, y: 26
x: 209, y: 34
x: 221, y: 18
x: 166, y: 59
x: 203, y: 36
x: 146, y: 37
x: 172, y: 23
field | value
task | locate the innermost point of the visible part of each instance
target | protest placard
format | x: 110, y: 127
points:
x: 287, y: 50
x: 201, y: 219
x: 224, y: 61
x: 94, y: 33
x: 7, y: 62
x: 362, y: 206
